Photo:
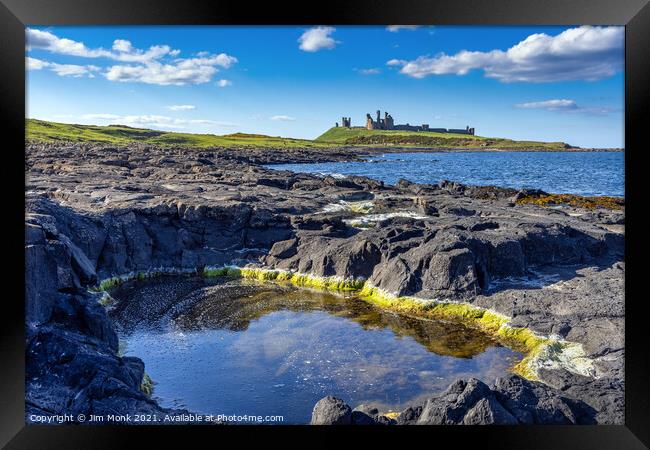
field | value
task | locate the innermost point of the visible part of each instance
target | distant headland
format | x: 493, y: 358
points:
x: 339, y: 137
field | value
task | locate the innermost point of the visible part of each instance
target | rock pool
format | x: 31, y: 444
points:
x: 243, y: 347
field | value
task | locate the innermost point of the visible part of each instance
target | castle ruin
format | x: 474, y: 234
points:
x: 380, y: 124
x: 387, y: 123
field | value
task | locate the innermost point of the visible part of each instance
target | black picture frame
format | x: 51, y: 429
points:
x: 634, y: 14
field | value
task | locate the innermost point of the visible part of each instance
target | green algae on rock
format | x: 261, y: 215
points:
x: 303, y: 280
x: 112, y: 282
x: 147, y: 385
x: 578, y: 201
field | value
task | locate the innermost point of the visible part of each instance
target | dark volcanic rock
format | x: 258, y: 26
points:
x: 488, y: 411
x: 453, y: 404
x: 511, y: 401
x: 364, y: 415
x: 535, y: 403
x: 71, y: 362
x: 604, y: 396
x: 93, y: 212
x: 414, y: 257
x: 331, y: 411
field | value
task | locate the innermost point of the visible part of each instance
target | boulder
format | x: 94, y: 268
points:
x: 331, y: 411
x: 364, y: 415
x: 535, y: 403
x: 488, y: 411
x: 451, y: 406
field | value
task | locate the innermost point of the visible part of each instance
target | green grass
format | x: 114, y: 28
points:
x: 362, y: 136
x: 341, y: 134
x: 42, y: 131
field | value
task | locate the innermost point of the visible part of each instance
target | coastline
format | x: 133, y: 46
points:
x: 390, y: 149
x: 97, y: 211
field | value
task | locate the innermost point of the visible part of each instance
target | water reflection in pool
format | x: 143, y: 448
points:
x: 242, y: 347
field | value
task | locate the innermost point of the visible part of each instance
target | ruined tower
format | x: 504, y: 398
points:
x: 346, y: 122
x: 369, y: 122
x: 388, y: 121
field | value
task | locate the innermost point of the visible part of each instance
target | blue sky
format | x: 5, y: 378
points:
x: 537, y: 83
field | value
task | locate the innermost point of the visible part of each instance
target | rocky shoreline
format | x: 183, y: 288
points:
x: 95, y: 212
x: 401, y: 149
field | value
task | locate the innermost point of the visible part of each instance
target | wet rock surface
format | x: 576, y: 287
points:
x: 93, y: 212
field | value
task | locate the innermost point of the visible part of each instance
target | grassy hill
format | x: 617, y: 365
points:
x: 39, y: 130
x: 362, y: 136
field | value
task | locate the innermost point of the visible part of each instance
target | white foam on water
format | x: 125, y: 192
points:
x: 361, y: 207
x: 371, y: 220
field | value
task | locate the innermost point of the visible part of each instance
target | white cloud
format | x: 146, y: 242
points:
x: 565, y: 105
x: 396, y: 62
x: 283, y: 118
x: 397, y: 28
x: 371, y: 71
x: 222, y: 60
x: 317, y: 38
x: 52, y: 43
x: 63, y: 70
x: 181, y: 107
x: 73, y: 70
x: 584, y: 53
x: 123, y: 50
x: 35, y: 64
x: 100, y: 116
x: 162, y: 74
x: 121, y: 45
x: 550, y: 105
x: 224, y: 83
x: 178, y: 72
x: 154, y: 121
x: 135, y: 55
x: 149, y: 66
